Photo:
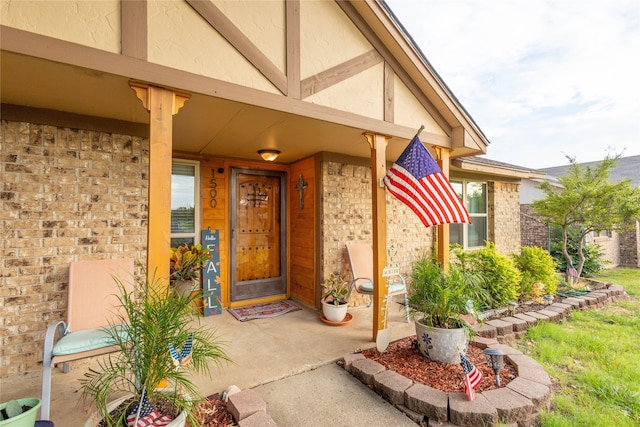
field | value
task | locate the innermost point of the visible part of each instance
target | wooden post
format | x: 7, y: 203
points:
x: 442, y: 157
x: 378, y: 144
x: 162, y: 104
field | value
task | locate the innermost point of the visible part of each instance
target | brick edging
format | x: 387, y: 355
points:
x: 519, y: 402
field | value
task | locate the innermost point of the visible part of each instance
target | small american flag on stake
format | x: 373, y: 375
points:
x: 418, y: 182
x: 472, y: 376
x: 572, y: 271
x: 148, y: 417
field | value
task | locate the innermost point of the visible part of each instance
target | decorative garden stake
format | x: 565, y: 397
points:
x: 495, y: 360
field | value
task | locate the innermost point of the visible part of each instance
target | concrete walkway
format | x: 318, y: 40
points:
x: 328, y: 397
x: 289, y: 360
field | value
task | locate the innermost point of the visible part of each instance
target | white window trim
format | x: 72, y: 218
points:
x: 465, y: 227
x: 196, y: 183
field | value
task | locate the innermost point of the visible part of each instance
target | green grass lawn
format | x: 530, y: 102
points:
x: 594, y: 360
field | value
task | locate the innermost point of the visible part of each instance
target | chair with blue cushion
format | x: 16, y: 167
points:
x: 361, y: 260
x: 92, y: 304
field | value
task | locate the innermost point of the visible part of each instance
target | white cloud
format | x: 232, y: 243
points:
x: 540, y: 77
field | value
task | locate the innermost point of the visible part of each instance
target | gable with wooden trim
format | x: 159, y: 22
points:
x: 308, y: 78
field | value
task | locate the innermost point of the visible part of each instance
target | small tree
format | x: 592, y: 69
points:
x: 588, y: 202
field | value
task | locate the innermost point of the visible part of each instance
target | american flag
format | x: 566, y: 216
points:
x: 472, y: 376
x: 148, y: 416
x: 184, y: 357
x: 418, y: 182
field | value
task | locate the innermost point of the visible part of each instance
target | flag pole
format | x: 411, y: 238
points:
x: 419, y: 130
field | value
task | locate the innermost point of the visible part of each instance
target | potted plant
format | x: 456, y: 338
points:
x: 442, y: 305
x: 19, y: 413
x: 334, y: 298
x: 186, y: 263
x: 159, y: 342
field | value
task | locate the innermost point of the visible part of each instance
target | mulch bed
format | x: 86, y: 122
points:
x: 213, y: 412
x: 404, y: 358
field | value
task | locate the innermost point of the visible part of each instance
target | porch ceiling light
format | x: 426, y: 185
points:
x: 269, y: 155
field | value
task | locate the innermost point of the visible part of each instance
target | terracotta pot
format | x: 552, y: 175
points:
x: 441, y: 345
x: 334, y: 313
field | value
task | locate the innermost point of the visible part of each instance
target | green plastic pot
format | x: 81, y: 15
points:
x: 26, y: 419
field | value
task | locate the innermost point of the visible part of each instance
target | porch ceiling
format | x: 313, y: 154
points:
x: 205, y: 125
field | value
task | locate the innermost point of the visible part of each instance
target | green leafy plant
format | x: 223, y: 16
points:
x: 588, y: 201
x: 186, y: 261
x: 594, y: 260
x: 335, y: 288
x: 153, y: 319
x: 500, y: 274
x: 538, y: 269
x: 442, y: 299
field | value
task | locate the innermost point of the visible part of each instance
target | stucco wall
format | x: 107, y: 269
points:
x: 609, y: 248
x: 90, y: 23
x: 67, y: 195
x: 347, y: 216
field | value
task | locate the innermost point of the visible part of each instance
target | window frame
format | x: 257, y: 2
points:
x: 485, y: 215
x: 196, y: 197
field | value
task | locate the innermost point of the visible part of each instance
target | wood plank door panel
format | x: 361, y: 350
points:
x: 258, y: 259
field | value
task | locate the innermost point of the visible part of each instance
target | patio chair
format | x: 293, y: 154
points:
x: 92, y: 302
x: 361, y: 260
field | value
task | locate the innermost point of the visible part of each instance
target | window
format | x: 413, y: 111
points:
x: 184, y: 202
x: 474, y: 195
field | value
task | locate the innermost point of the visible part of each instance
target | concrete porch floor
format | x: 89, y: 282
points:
x: 266, y: 352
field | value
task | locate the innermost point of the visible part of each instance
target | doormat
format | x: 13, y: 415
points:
x: 263, y: 311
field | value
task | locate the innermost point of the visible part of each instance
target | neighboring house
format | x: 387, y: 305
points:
x: 620, y: 249
x: 131, y: 126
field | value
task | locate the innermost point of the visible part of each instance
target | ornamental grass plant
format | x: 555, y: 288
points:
x: 155, y: 318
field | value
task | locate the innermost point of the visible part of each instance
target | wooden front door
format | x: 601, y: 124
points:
x: 258, y: 267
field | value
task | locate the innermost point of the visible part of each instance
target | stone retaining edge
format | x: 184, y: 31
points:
x: 518, y: 403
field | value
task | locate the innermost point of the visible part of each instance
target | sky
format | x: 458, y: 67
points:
x: 542, y: 79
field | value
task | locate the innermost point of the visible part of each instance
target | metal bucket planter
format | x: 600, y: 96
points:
x: 441, y: 345
x: 179, y: 421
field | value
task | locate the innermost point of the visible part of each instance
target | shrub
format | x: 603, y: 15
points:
x: 594, y: 261
x: 501, y: 277
x: 537, y: 267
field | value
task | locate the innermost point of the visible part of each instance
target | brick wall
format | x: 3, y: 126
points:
x: 504, y: 212
x: 533, y: 231
x: 66, y: 195
x: 347, y: 216
x: 630, y: 247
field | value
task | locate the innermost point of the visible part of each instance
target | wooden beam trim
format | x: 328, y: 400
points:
x: 438, y: 86
x: 238, y: 40
x: 389, y: 93
x: 133, y: 14
x: 48, y: 48
x: 44, y: 116
x: 370, y: 35
x: 293, y: 48
x: 339, y: 73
